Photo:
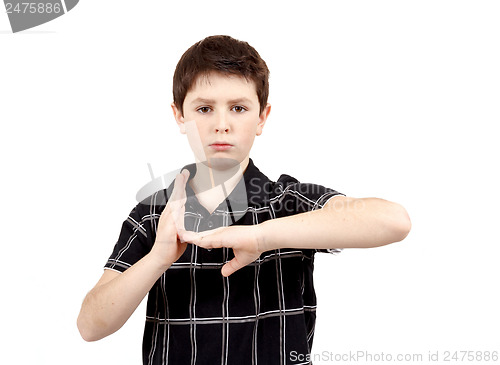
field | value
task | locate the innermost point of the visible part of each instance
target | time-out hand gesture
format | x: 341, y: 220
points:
x: 168, y: 248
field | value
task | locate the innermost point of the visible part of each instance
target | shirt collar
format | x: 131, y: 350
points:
x: 253, y: 190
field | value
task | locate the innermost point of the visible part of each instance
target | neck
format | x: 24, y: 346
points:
x: 216, y: 173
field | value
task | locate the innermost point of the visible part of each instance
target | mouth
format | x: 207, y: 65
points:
x: 221, y: 146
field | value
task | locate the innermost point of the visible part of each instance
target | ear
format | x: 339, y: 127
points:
x: 262, y: 119
x: 179, y: 118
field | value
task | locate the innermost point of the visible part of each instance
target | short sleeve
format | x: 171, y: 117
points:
x: 306, y: 197
x: 134, y: 240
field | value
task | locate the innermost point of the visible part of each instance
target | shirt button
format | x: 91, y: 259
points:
x: 210, y: 224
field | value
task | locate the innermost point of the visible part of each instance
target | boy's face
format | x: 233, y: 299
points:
x: 221, y: 117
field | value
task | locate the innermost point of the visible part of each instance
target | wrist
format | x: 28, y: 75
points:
x: 263, y: 237
x: 158, y: 263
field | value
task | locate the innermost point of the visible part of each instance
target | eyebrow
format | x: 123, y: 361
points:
x: 211, y: 101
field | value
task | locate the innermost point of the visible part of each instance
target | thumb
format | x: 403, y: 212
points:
x: 231, y: 267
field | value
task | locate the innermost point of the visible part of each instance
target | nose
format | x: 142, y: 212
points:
x: 222, y: 126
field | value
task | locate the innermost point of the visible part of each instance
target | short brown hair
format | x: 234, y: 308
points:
x: 224, y: 54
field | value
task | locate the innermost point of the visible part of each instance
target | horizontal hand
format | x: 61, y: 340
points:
x: 242, y: 239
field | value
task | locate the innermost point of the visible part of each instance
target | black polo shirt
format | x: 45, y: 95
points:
x: 262, y: 314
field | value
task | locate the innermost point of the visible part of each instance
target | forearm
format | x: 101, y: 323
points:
x: 108, y: 306
x: 342, y: 223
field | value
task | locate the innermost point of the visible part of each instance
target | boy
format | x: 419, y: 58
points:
x: 260, y: 235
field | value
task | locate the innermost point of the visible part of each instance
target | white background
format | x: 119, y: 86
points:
x: 393, y: 99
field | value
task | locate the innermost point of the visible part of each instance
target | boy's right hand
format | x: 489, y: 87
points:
x: 168, y: 248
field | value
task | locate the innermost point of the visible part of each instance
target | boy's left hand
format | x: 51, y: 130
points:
x: 242, y: 239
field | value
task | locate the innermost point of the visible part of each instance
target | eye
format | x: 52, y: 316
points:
x: 203, y: 109
x: 238, y: 108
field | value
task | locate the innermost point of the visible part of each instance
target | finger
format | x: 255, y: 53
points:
x: 172, y: 218
x: 214, y: 238
x: 177, y: 201
x: 187, y: 236
x: 166, y: 225
x: 178, y: 195
x: 174, y: 202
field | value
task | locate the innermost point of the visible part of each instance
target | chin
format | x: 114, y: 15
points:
x: 222, y: 163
